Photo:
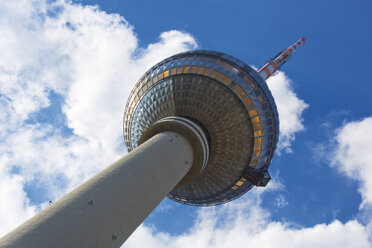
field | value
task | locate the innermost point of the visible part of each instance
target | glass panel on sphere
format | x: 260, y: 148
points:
x: 247, y: 80
x: 254, y: 161
x: 227, y: 66
x: 226, y: 80
x: 179, y: 70
x: 212, y: 60
x: 160, y: 76
x: 257, y: 126
x: 257, y: 148
x: 233, y: 84
x: 258, y: 140
x: 239, y: 183
x: 214, y: 74
x: 257, y: 133
x: 149, y: 83
x: 220, y: 76
x: 234, y: 70
x: 246, y: 100
x: 237, y: 89
x: 249, y: 106
x: 253, y: 112
x: 256, y: 120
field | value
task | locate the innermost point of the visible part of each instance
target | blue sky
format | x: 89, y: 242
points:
x: 67, y: 69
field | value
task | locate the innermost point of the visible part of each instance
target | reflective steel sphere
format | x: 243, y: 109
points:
x: 229, y: 101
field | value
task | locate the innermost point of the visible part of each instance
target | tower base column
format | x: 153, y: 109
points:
x: 106, y: 209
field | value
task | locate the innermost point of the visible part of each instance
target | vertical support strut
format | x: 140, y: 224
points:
x: 275, y: 63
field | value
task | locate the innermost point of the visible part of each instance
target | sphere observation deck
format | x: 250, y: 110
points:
x: 233, y: 106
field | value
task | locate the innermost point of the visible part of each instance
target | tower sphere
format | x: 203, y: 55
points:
x: 232, y: 105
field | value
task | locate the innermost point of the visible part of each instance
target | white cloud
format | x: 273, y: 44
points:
x: 280, y: 201
x: 290, y: 109
x: 353, y: 155
x: 89, y: 58
x: 244, y: 223
x: 92, y: 60
x: 15, y: 206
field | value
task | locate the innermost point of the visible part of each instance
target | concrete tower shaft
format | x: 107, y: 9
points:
x: 106, y: 209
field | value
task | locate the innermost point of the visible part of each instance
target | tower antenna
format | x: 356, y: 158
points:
x: 280, y: 59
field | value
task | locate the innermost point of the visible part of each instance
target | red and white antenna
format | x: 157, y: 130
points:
x: 282, y: 57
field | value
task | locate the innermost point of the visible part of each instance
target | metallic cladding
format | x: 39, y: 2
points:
x: 229, y: 100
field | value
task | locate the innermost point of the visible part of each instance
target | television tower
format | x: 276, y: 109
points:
x: 201, y: 128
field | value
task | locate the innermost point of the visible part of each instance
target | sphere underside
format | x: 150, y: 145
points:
x: 228, y: 100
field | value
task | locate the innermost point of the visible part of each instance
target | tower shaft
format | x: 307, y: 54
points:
x: 106, y: 209
x: 275, y: 63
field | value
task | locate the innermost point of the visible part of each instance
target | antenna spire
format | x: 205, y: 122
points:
x: 280, y: 59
